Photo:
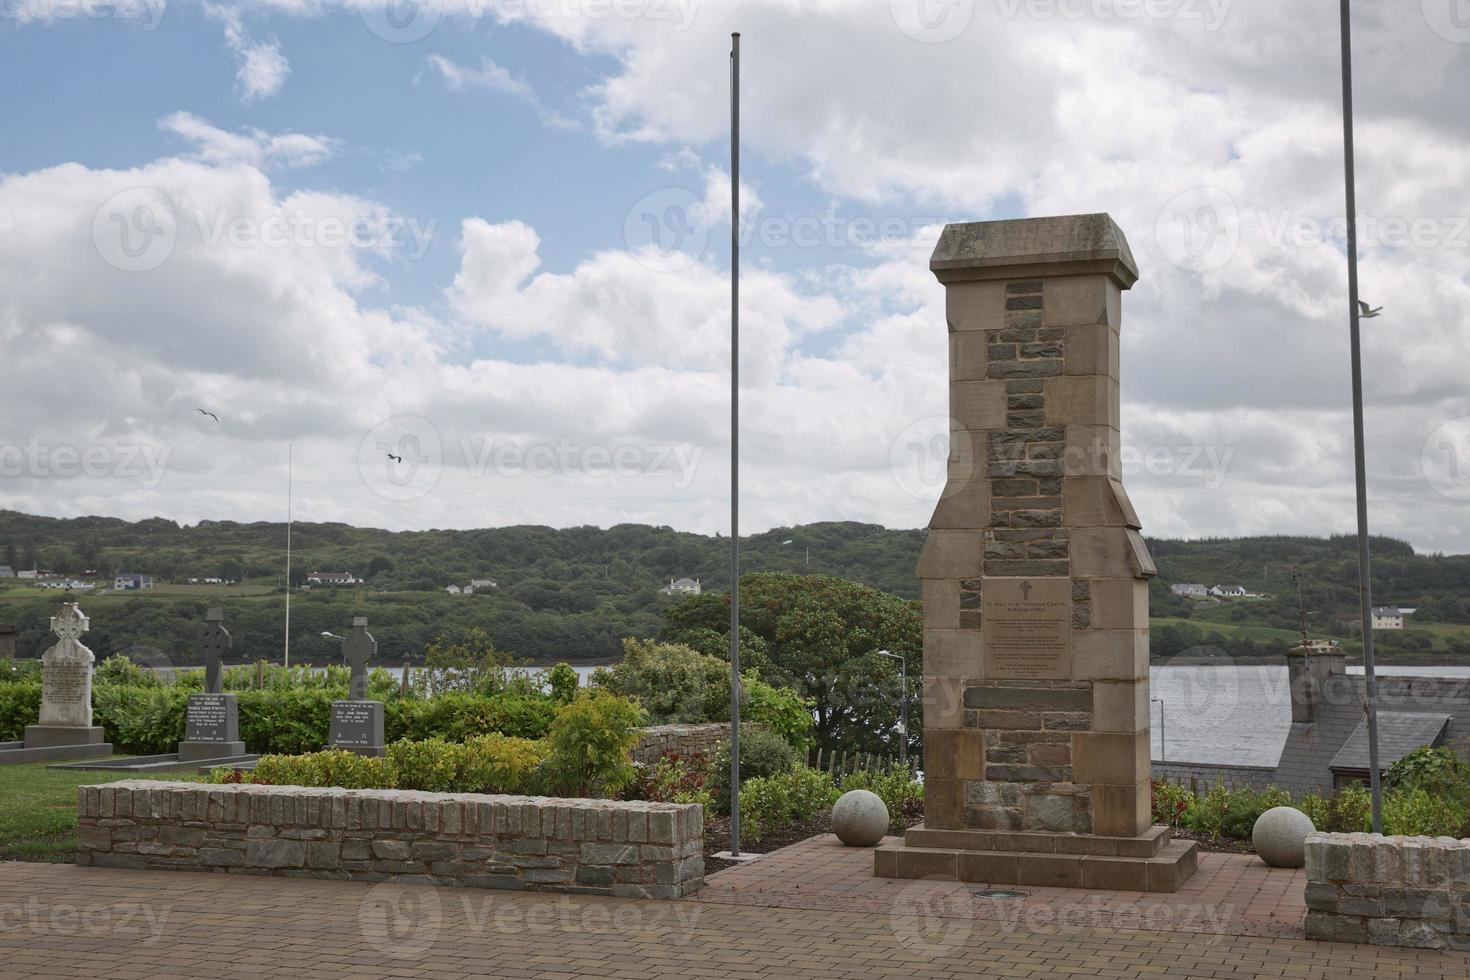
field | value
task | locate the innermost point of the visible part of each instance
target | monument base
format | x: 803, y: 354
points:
x: 1150, y: 863
x: 203, y: 751
x: 46, y: 736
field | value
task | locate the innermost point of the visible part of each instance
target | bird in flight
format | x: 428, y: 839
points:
x: 1366, y: 312
x: 210, y: 414
x: 396, y: 459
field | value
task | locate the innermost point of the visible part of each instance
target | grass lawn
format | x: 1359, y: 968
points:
x: 38, y: 808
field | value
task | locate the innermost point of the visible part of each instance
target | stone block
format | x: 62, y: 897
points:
x: 944, y: 700
x: 965, y: 502
x: 1109, y: 757
x: 941, y: 606
x: 1121, y: 810
x: 953, y: 653
x: 978, y: 405
x: 1108, y: 654
x: 1096, y: 501
x: 944, y: 802
x: 975, y: 306
x: 1120, y: 706
x: 1082, y: 300
x: 954, y: 754
x: 950, y: 555
x: 1085, y: 400
x: 1050, y: 870
x: 1092, y: 450
x: 1104, y: 552
x: 1091, y: 349
x: 989, y: 867
x: 265, y: 853
x: 1119, y: 603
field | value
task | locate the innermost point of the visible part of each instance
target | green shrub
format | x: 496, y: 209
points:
x: 287, y: 721
x: 142, y: 720
x: 334, y: 767
x: 1419, y: 813
x: 1317, y: 808
x: 1173, y: 805
x: 563, y: 682
x: 458, y: 715
x: 591, y: 744
x: 798, y: 793
x: 20, y: 705
x: 1227, y: 813
x: 1436, y: 771
x: 780, y: 709
x: 484, y: 764
x: 674, y: 778
x: 118, y: 669
x: 900, y: 792
x: 1352, y: 811
x: 762, y: 753
x: 673, y: 683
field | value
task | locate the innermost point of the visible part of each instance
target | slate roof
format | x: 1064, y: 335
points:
x: 1312, y: 747
x: 1399, y: 733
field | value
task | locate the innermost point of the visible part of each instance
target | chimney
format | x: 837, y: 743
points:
x: 1307, y: 671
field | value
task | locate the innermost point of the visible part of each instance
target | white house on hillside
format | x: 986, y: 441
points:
x: 483, y: 583
x: 332, y: 578
x: 1229, y: 591
x: 1388, y: 618
x: 1193, y: 590
x: 131, y: 582
x: 682, y: 586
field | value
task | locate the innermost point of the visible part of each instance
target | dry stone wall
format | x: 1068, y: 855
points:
x: 1389, y: 891
x: 607, y: 847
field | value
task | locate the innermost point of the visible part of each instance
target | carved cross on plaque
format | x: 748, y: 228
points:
x: 1025, y: 591
x: 71, y: 622
x: 359, y: 647
x: 217, y: 642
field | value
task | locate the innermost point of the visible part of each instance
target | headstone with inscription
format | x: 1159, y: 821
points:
x: 1035, y: 578
x: 64, y: 729
x: 212, y: 722
x: 357, y: 723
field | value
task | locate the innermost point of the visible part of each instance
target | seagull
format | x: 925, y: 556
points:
x: 1366, y: 312
x: 396, y: 459
x: 210, y: 414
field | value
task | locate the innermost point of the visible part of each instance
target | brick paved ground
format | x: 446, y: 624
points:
x: 1232, y: 893
x: 61, y: 921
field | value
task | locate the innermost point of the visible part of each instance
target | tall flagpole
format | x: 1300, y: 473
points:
x: 1365, y: 584
x: 735, y: 445
x: 290, y: 461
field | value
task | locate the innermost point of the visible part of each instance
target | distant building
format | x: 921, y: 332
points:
x: 682, y: 586
x: 482, y: 583
x: 6, y: 571
x: 1192, y: 590
x: 453, y: 590
x: 26, y: 574
x: 131, y: 582
x: 1388, y: 618
x: 1229, y: 591
x: 71, y: 584
x: 332, y: 578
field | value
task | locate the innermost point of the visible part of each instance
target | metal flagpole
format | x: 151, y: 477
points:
x: 735, y: 445
x: 1365, y: 585
x: 290, y: 460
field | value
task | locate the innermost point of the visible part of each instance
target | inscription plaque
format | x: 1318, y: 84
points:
x: 357, y: 725
x: 1027, y: 628
x: 212, y: 718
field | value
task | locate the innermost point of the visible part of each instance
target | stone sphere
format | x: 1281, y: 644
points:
x: 1280, y: 836
x: 860, y: 818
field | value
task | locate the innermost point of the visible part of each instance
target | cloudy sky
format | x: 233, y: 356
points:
x: 491, y: 237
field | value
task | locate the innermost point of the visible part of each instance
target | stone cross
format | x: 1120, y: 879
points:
x: 70, y: 623
x: 359, y: 647
x: 217, y: 642
x: 66, y: 673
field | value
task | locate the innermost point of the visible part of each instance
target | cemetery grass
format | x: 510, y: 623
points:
x: 38, y: 808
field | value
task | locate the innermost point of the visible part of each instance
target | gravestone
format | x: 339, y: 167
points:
x: 64, y: 729
x: 7, y: 641
x: 357, y: 723
x: 1035, y: 578
x: 212, y: 722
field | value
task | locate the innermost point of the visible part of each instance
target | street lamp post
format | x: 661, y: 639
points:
x: 903, y: 705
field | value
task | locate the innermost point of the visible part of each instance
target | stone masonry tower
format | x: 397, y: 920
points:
x: 1035, y: 578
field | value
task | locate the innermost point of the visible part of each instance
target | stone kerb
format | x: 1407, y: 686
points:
x: 606, y: 847
x: 1389, y: 891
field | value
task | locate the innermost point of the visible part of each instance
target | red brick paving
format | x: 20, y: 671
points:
x: 1233, y: 894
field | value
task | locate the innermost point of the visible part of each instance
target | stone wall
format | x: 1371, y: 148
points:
x: 1389, y: 891
x: 683, y: 739
x: 1205, y: 776
x: 631, y: 849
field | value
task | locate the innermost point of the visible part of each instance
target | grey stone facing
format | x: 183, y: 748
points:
x: 1389, y: 891
x: 514, y: 842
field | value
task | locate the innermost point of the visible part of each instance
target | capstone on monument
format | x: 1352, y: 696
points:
x: 1035, y: 579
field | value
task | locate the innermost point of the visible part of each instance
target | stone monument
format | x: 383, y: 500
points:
x: 64, y: 729
x: 357, y: 723
x: 212, y: 724
x: 1035, y: 579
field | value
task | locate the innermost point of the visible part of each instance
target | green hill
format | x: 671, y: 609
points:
x: 574, y: 593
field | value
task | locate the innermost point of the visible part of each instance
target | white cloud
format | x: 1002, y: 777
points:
x: 255, y: 148
x: 488, y: 75
x: 262, y: 67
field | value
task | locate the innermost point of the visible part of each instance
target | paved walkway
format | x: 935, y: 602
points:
x: 1231, y: 894
x: 62, y: 921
